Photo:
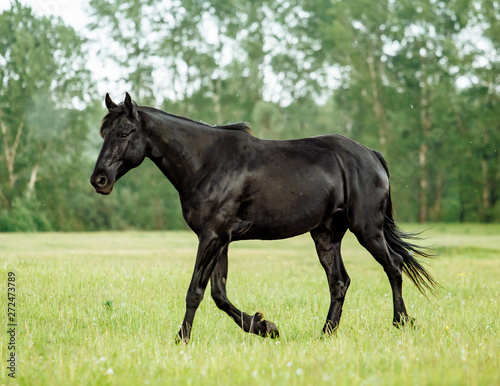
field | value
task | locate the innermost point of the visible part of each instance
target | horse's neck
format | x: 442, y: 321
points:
x: 177, y: 147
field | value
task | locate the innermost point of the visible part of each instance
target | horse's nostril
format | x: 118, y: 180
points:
x: 102, y: 181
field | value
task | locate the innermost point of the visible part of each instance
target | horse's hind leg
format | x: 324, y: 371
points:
x: 328, y: 249
x: 254, y: 324
x: 372, y: 238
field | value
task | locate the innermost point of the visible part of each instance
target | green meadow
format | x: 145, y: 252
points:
x: 104, y: 309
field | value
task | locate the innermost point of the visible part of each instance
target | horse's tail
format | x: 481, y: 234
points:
x: 397, y: 241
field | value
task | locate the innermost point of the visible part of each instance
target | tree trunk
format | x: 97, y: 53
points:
x: 216, y: 93
x: 377, y: 105
x: 425, y: 123
x: 159, y: 214
x: 496, y: 188
x: 486, y: 190
x: 439, y: 194
x: 11, y: 151
x: 423, y: 183
x: 33, y: 179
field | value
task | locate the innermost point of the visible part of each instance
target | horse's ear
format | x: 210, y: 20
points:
x: 129, y: 106
x: 109, y: 103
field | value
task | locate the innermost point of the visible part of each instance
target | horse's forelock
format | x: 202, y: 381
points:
x: 112, y: 114
x: 104, y: 125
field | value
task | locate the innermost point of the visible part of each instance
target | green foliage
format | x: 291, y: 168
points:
x: 41, y: 132
x: 417, y: 80
x: 26, y: 215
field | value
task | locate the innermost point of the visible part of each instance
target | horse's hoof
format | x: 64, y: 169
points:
x: 330, y: 328
x: 406, y: 321
x: 179, y: 339
x: 264, y: 328
x: 271, y: 330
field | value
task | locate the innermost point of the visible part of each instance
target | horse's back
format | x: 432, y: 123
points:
x: 333, y: 154
x: 293, y: 186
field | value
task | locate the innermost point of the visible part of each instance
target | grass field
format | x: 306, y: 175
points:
x: 103, y: 308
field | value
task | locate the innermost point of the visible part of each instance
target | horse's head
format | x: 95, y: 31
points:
x: 124, y: 145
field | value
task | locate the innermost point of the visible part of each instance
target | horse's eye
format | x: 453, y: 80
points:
x: 125, y: 135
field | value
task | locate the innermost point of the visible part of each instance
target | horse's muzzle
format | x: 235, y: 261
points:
x: 101, y: 183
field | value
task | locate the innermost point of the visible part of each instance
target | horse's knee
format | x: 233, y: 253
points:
x: 194, y: 298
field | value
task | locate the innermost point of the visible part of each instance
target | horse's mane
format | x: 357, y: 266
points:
x: 119, y: 110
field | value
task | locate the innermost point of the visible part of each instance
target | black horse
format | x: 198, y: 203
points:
x: 234, y: 186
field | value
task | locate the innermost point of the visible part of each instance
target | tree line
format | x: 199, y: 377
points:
x: 416, y: 80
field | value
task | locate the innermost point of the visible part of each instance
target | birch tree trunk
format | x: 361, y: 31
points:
x: 377, y: 104
x: 11, y: 151
x: 33, y: 179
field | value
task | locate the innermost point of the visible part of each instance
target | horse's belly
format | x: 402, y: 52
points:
x: 282, y: 213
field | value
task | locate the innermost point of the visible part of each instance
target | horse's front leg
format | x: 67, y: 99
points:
x: 254, y: 324
x: 209, y: 249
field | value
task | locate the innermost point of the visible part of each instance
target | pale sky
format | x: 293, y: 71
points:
x: 106, y: 73
x: 71, y: 11
x: 74, y: 13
